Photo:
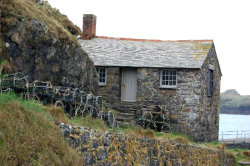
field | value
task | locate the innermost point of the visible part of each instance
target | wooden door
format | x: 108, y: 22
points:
x: 129, y: 85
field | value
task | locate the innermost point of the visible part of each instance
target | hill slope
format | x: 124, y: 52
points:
x: 232, y: 102
x: 41, y: 42
x: 29, y: 137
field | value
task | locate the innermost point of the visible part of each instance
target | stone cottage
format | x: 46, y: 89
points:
x: 182, y: 78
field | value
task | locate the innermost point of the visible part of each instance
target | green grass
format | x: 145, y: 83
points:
x: 27, y: 131
x: 29, y: 137
x: 90, y: 122
x: 239, y: 154
x: 232, y: 101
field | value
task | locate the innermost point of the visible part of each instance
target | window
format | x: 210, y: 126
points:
x: 168, y: 78
x: 210, y: 82
x: 102, y: 75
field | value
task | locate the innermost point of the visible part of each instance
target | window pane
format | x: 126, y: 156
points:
x: 168, y: 77
x: 101, y: 75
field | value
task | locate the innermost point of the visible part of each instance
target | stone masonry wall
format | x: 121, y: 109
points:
x: 181, y: 105
x: 188, y: 106
x: 111, y: 91
x: 210, y: 110
x: 104, y: 148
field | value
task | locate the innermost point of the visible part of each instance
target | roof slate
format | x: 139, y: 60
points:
x: 146, y: 53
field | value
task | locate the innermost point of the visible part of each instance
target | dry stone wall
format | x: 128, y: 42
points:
x: 105, y: 148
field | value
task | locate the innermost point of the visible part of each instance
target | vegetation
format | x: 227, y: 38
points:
x: 235, y: 103
x: 240, y: 154
x: 29, y: 137
x: 58, y: 25
x: 90, y: 122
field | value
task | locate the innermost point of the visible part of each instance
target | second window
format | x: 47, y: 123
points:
x: 168, y: 78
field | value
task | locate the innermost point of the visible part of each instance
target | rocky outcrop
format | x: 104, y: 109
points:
x: 231, y: 92
x: 105, y: 148
x: 33, y: 50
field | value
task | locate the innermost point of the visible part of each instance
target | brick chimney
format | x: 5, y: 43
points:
x: 89, y: 26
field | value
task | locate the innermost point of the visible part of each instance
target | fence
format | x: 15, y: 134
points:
x: 234, y: 136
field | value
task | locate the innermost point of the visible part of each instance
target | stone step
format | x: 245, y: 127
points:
x: 125, y: 119
x: 125, y: 114
x: 126, y: 124
x: 126, y: 111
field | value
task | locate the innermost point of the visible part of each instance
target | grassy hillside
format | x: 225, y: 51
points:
x: 235, y: 104
x: 29, y: 137
x: 58, y: 24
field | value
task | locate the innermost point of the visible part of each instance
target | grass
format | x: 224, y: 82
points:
x: 59, y: 25
x: 29, y: 137
x: 240, y: 154
x: 90, y: 122
x: 233, y: 101
x: 148, y: 133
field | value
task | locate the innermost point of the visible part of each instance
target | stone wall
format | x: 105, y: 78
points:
x: 181, y: 105
x: 210, y: 110
x: 188, y: 106
x: 104, y: 148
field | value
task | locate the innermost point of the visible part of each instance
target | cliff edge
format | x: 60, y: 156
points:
x: 39, y: 41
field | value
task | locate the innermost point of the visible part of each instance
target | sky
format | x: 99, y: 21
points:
x: 226, y: 22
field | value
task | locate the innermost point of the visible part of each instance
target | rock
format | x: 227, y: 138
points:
x: 231, y: 92
x: 78, y: 37
x: 7, y: 45
x: 33, y: 50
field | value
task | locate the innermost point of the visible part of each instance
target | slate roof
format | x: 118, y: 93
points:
x: 146, y: 53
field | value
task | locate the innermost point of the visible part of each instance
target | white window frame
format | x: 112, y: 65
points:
x: 98, y: 73
x: 168, y: 86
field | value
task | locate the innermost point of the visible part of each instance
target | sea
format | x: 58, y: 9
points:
x: 234, y: 126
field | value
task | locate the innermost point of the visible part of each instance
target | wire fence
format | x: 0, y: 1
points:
x: 234, y: 136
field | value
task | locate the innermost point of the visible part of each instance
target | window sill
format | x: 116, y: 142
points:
x: 102, y: 84
x: 168, y: 87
